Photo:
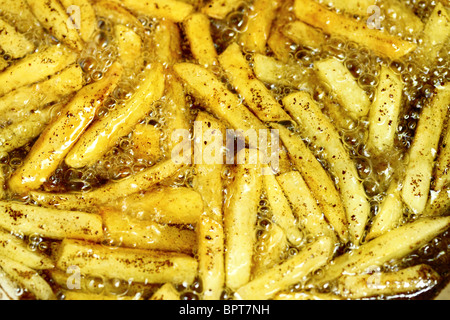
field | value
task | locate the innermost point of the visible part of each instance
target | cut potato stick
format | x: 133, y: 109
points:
x: 392, y: 245
x: 83, y: 296
x: 278, y: 43
x: 260, y: 17
x: 384, y: 112
x: 438, y: 203
x: 3, y: 192
x: 306, y: 296
x: 198, y: 32
x: 123, y: 263
x: 14, y: 43
x: 442, y: 167
x: 9, y: 289
x: 166, y: 292
x: 16, y: 105
x: 402, y: 16
x: 308, y: 115
x: 36, y: 67
x: 18, y: 12
x: 305, y: 207
x: 17, y: 249
x: 240, y: 216
x: 357, y: 7
x: 290, y: 272
x: 27, y: 278
x: 422, y: 154
x: 129, y: 45
x: 211, y: 240
x: 166, y: 43
x: 404, y: 281
x: 219, y: 9
x: 88, y: 18
x: 50, y: 223
x: 147, y: 142
x: 117, y: 14
x: 332, y: 23
x: 131, y: 232
x: 318, y: 180
x: 174, y: 10
x: 255, y: 94
x: 304, y: 35
x: 55, y: 142
x: 344, y: 86
x: 53, y: 17
x: 104, y: 133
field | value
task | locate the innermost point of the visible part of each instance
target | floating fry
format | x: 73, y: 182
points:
x: 129, y: 45
x: 303, y: 34
x: 442, y: 167
x: 173, y: 10
x: 219, y: 9
x: 146, y: 142
x: 166, y: 292
x: 88, y: 18
x: 13, y: 42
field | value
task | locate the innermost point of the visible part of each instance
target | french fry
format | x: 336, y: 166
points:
x: 174, y: 10
x: 57, y: 139
x: 211, y: 240
x: 167, y: 43
x: 104, y: 133
x: 258, y: 98
x: 391, y: 245
x: 384, y: 112
x: 35, y: 67
x: 344, y: 86
x: 166, y: 292
x: 404, y: 281
x: 306, y: 296
x: 305, y: 207
x: 422, y: 154
x: 390, y: 212
x: 290, y: 272
x: 318, y: 180
x: 88, y: 18
x: 9, y: 289
x: 219, y: 9
x: 53, y: 17
x: 132, y: 232
x: 82, y: 296
x: 308, y: 115
x: 13, y: 42
x: 442, y: 167
x: 16, y: 105
x: 3, y: 64
x: 240, y: 216
x: 303, y: 34
x: 356, y: 7
x: 123, y: 263
x: 260, y: 17
x: 16, y: 249
x: 278, y: 43
x: 27, y: 278
x: 19, y: 13
x: 146, y: 142
x: 129, y: 45
x: 403, y: 17
x: 438, y: 203
x: 198, y: 32
x: 332, y: 23
x: 3, y: 192
x: 116, y: 13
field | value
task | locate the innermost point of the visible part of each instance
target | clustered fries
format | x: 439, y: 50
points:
x: 168, y: 88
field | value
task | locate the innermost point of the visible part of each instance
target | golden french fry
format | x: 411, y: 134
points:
x: 124, y: 263
x: 88, y: 18
x: 54, y: 18
x: 402, y: 16
x: 219, y: 9
x: 166, y: 292
x: 82, y: 296
x: 129, y: 45
x: 9, y: 289
x: 308, y: 115
x: 442, y: 167
x: 279, y: 278
x: 146, y: 142
x: 116, y: 13
x: 303, y: 34
x: 357, y: 7
x: 332, y: 23
x: 35, y: 67
x: 255, y: 94
x: 422, y: 154
x: 174, y: 10
x: 306, y: 296
x: 14, y: 43
x: 167, y: 43
x: 438, y: 203
x: 104, y: 133
x: 57, y: 139
x: 18, y: 12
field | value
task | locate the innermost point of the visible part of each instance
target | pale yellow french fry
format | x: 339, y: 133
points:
x: 344, y: 86
x: 50, y: 223
x: 123, y: 263
x: 308, y: 115
x: 303, y: 34
x: 208, y: 180
x: 88, y: 18
x: 147, y: 142
x: 255, y: 94
x: 116, y: 13
x: 318, y: 180
x: 198, y: 32
x: 278, y: 43
x: 306, y: 296
x: 384, y: 112
x: 131, y: 232
x: 305, y: 207
x: 166, y: 292
x: 104, y: 133
x: 240, y: 216
x: 9, y: 289
x: 17, y: 249
x: 36, y: 67
x: 435, y: 34
x: 357, y: 7
x: 129, y: 45
x: 402, y: 16
x: 339, y: 116
x: 438, y: 203
x: 423, y: 152
x: 392, y: 245
x: 167, y: 43
x: 404, y: 281
x: 219, y: 9
x: 16, y: 105
x: 174, y: 10
x: 18, y: 12
x: 3, y: 64
x: 260, y: 18
x: 282, y: 214
x: 290, y: 272
x: 13, y: 42
x: 27, y: 278
x: 211, y: 261
x: 53, y: 17
x: 442, y: 167
x: 57, y: 139
x: 335, y: 24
